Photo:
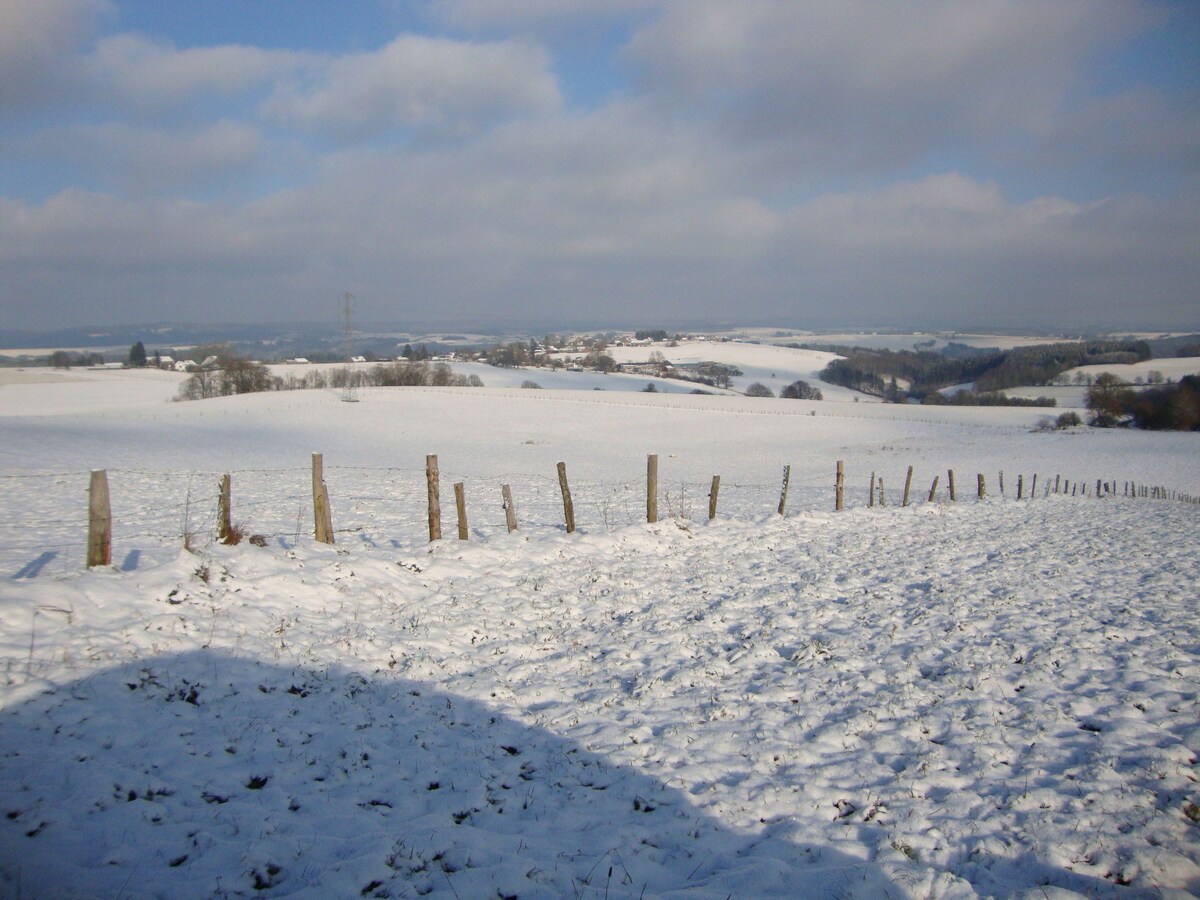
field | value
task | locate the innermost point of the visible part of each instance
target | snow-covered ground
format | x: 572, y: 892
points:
x: 949, y: 699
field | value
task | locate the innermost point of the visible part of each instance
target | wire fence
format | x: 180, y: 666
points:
x: 154, y: 514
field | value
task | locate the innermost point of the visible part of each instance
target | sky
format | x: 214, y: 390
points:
x: 547, y: 164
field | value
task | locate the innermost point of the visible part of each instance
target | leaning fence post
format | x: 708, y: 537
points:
x: 568, y: 507
x: 652, y: 488
x: 1033, y: 487
x: 787, y: 474
x: 907, y: 485
x: 460, y: 503
x: 837, y: 494
x: 950, y: 485
x: 712, y: 496
x: 322, y: 517
x: 99, y: 550
x: 435, y: 499
x: 510, y: 510
x: 933, y: 488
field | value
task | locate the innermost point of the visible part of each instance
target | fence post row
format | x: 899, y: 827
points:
x: 510, y: 510
x: 435, y: 499
x: 460, y: 503
x: 99, y: 547
x: 99, y: 550
x: 224, y: 514
x: 568, y: 507
x: 322, y: 517
x: 652, y: 488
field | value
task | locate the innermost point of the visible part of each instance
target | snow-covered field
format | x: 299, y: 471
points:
x: 949, y: 699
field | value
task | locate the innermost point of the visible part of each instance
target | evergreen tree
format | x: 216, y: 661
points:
x: 137, y: 355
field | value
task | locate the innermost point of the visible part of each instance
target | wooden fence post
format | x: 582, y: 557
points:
x: 950, y: 485
x: 652, y: 488
x: 1097, y: 487
x: 787, y: 474
x: 322, y: 516
x: 1020, y: 487
x: 568, y: 507
x: 99, y: 549
x: 224, y: 515
x: 933, y: 489
x: 1033, y: 487
x: 712, y: 497
x: 981, y: 492
x: 871, y: 493
x: 907, y: 485
x: 460, y: 503
x: 837, y: 502
x: 882, y: 496
x: 510, y: 510
x: 1001, y: 482
x: 435, y: 500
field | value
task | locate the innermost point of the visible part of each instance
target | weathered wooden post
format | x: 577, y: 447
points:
x: 712, y: 497
x: 837, y: 502
x: 981, y: 489
x: 1057, y: 481
x: 510, y: 509
x: 1033, y: 487
x: 460, y: 503
x: 224, y: 515
x: 435, y: 500
x: 933, y: 488
x: 787, y: 475
x: 871, y: 493
x: 322, y: 516
x: 907, y: 485
x: 950, y: 485
x: 1097, y: 487
x: 1001, y: 482
x: 568, y: 507
x: 1020, y: 487
x: 99, y: 549
x: 652, y: 488
x: 882, y: 495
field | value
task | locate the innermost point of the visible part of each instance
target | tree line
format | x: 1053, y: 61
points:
x: 926, y: 372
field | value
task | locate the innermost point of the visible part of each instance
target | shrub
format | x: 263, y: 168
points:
x: 759, y: 390
x: 1068, y: 420
x: 531, y: 385
x: 800, y: 390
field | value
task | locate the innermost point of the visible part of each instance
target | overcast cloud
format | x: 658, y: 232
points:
x: 638, y: 163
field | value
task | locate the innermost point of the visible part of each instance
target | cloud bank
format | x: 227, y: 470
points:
x: 942, y: 165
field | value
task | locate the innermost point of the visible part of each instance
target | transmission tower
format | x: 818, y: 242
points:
x: 350, y: 391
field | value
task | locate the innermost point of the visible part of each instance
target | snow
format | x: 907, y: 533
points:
x: 979, y: 698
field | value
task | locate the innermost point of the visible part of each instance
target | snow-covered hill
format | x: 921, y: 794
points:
x: 949, y: 699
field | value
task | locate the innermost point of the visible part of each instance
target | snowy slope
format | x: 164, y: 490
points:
x: 977, y: 698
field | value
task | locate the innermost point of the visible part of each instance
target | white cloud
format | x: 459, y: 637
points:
x: 155, y: 76
x: 874, y: 84
x: 39, y: 41
x: 433, y: 85
x: 508, y: 14
x: 144, y: 161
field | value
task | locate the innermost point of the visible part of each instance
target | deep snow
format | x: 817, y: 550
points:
x: 977, y: 698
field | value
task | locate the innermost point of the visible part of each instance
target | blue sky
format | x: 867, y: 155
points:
x: 558, y: 163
